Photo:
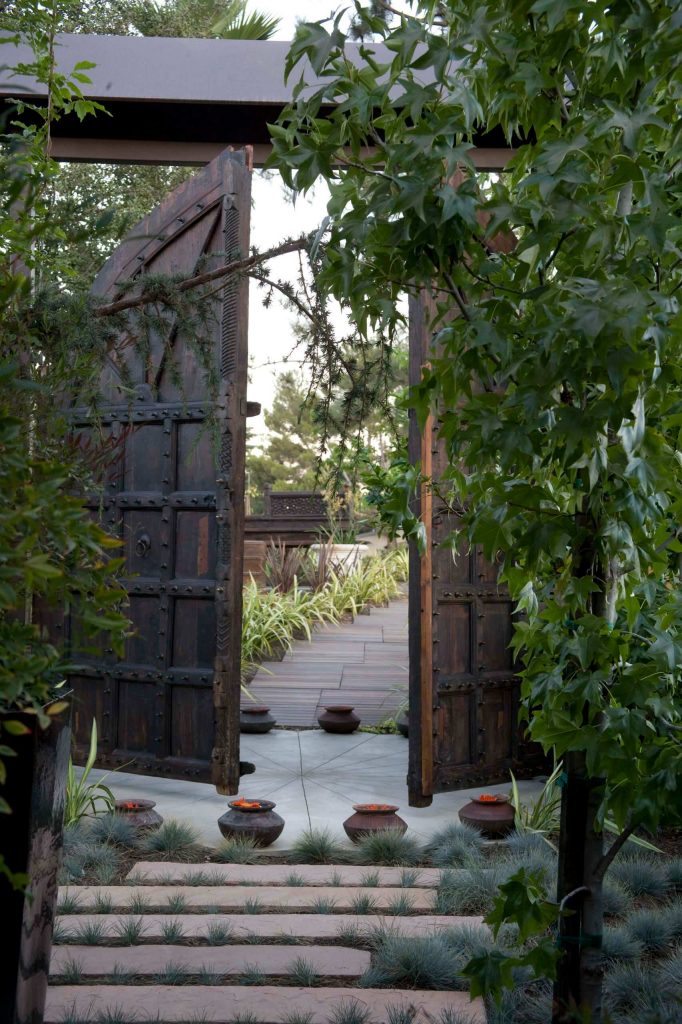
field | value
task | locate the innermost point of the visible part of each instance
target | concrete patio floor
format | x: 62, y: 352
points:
x: 314, y: 778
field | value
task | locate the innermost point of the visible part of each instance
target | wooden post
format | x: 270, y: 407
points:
x: 31, y: 843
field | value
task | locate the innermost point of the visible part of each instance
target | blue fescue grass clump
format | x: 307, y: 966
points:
x: 652, y: 927
x: 86, y: 860
x: 115, y: 830
x: 616, y: 899
x: 669, y: 976
x: 673, y: 915
x: 524, y: 1004
x: 457, y: 845
x: 174, y: 840
x: 470, y: 891
x: 674, y: 873
x: 423, y: 962
x: 527, y: 844
x: 618, y: 944
x: 240, y: 850
x: 317, y: 846
x: 641, y: 875
x: 388, y: 848
x: 627, y: 986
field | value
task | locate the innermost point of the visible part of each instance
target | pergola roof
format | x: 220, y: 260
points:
x: 176, y: 100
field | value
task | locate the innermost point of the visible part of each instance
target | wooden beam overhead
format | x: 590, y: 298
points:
x: 179, y: 101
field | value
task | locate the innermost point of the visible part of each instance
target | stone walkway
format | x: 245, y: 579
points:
x: 269, y: 952
x: 314, y: 779
x: 363, y: 663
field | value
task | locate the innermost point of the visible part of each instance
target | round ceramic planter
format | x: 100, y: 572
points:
x: 139, y: 813
x: 492, y: 818
x: 251, y: 819
x: 256, y: 719
x: 369, y: 818
x: 338, y: 718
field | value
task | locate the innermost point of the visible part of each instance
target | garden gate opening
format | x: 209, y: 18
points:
x: 181, y: 512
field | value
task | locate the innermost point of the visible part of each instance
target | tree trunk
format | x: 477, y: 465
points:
x: 579, y: 977
x: 31, y: 843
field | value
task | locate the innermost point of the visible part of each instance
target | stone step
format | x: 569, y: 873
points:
x: 308, y: 928
x: 236, y: 898
x: 272, y: 961
x: 170, y: 873
x: 268, y: 1004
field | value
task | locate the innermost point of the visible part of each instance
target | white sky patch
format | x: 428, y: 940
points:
x: 274, y: 218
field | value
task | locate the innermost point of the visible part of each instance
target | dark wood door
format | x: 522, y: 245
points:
x: 464, y: 694
x: 174, y: 495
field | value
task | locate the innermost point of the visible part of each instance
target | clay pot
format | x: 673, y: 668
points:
x: 251, y: 819
x: 139, y: 813
x: 370, y: 818
x: 256, y: 719
x: 403, y: 723
x: 492, y: 818
x: 338, y: 718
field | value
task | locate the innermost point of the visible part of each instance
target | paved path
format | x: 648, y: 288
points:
x: 272, y: 964
x: 363, y: 663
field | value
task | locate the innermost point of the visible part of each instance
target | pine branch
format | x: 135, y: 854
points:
x: 236, y: 267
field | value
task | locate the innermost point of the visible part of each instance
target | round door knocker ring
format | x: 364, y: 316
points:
x: 143, y: 545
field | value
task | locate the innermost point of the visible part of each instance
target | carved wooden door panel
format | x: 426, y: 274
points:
x: 174, y: 496
x: 464, y: 695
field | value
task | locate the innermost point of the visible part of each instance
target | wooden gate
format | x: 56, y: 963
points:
x: 464, y: 695
x: 174, y: 495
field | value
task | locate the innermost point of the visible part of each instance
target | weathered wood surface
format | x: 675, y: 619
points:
x: 363, y: 663
x: 175, y: 497
x: 464, y: 691
x: 31, y: 844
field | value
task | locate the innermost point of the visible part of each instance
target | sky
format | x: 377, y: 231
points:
x: 273, y: 218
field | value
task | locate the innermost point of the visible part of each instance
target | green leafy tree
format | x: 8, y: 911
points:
x: 214, y: 19
x: 557, y: 365
x: 289, y: 456
x: 100, y: 203
x: 52, y: 556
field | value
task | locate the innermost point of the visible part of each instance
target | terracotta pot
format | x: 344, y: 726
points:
x: 403, y: 723
x: 338, y: 718
x: 254, y: 819
x: 256, y: 719
x: 492, y: 818
x: 370, y: 818
x: 139, y: 813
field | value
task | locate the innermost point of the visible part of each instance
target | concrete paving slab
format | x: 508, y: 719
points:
x: 307, y: 927
x: 270, y: 1004
x: 167, y: 873
x: 273, y: 961
x: 236, y: 898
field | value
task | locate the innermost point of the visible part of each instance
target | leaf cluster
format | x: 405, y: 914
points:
x: 552, y: 296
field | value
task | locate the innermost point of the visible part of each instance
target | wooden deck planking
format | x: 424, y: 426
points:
x: 363, y: 663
